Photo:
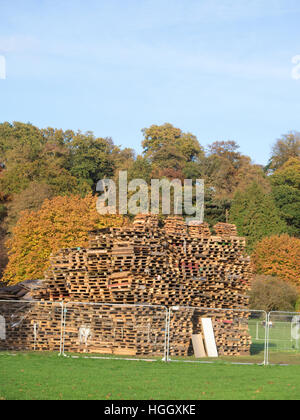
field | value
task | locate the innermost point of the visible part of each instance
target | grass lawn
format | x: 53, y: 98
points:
x: 47, y: 376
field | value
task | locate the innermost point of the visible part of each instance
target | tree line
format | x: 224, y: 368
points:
x: 38, y: 166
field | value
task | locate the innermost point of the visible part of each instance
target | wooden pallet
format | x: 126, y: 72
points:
x: 169, y: 266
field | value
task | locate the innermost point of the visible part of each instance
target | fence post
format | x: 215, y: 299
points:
x: 64, y: 328
x: 168, y: 333
x: 166, y: 336
x: 61, y: 328
x: 268, y: 338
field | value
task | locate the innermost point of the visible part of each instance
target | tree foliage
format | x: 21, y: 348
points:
x: 287, y: 200
x: 167, y: 147
x: 272, y: 294
x: 255, y: 214
x: 278, y: 256
x: 69, y: 162
x: 30, y: 154
x: 39, y: 164
x: 90, y: 159
x: 228, y: 171
x: 3, y: 212
x: 62, y: 222
x: 287, y: 174
x: 286, y: 191
x: 284, y: 149
x: 31, y: 198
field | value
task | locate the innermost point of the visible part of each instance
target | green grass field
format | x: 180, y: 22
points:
x: 36, y: 376
x: 47, y: 376
x: 283, y: 348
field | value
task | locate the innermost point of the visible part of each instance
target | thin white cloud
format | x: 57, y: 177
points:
x: 18, y: 44
x: 132, y: 52
x: 138, y: 55
x: 154, y: 13
x: 237, y: 9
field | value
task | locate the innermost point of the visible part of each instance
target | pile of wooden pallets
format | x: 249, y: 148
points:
x: 144, y: 221
x: 143, y: 265
x: 230, y: 329
x: 175, y: 225
x: 111, y: 329
x: 30, y: 326
x: 20, y: 291
x: 225, y: 229
x: 198, y: 230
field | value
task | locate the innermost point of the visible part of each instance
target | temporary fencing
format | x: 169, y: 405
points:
x: 206, y: 334
x: 115, y: 329
x: 178, y: 333
x: 283, y: 342
x: 31, y: 326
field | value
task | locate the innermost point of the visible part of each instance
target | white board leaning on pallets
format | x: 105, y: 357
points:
x: 209, y: 337
x: 2, y: 328
x: 198, y: 346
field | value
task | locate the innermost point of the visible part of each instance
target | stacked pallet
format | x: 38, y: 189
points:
x: 27, y: 326
x: 230, y: 330
x: 145, y: 265
x: 144, y: 221
x: 198, y: 230
x: 113, y: 329
x: 20, y: 291
x: 97, y: 329
x: 225, y: 229
x: 181, y: 330
x: 175, y: 225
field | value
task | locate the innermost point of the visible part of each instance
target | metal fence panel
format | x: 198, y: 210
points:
x: 146, y: 331
x: 239, y: 335
x: 30, y: 326
x: 114, y: 330
x: 283, y: 338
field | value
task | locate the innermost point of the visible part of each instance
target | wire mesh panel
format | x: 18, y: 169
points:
x: 205, y: 334
x: 284, y: 338
x: 118, y: 330
x: 30, y: 326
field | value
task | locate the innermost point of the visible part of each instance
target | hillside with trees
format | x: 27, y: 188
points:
x: 48, y: 183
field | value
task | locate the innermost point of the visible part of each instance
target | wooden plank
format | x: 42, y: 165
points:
x: 198, y: 346
x: 2, y: 328
x: 209, y: 337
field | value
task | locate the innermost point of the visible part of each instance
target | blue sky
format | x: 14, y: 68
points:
x: 221, y: 69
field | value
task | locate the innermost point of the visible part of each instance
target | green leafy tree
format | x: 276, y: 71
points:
x: 123, y: 159
x: 33, y: 155
x: 140, y: 169
x: 255, y: 214
x: 90, y: 158
x: 284, y: 149
x: 216, y: 210
x: 286, y: 191
x: 288, y: 174
x: 168, y: 147
x: 287, y: 200
x: 3, y: 212
x: 227, y: 170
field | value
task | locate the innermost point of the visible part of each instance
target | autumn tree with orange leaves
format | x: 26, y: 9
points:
x: 62, y: 222
x: 278, y: 255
